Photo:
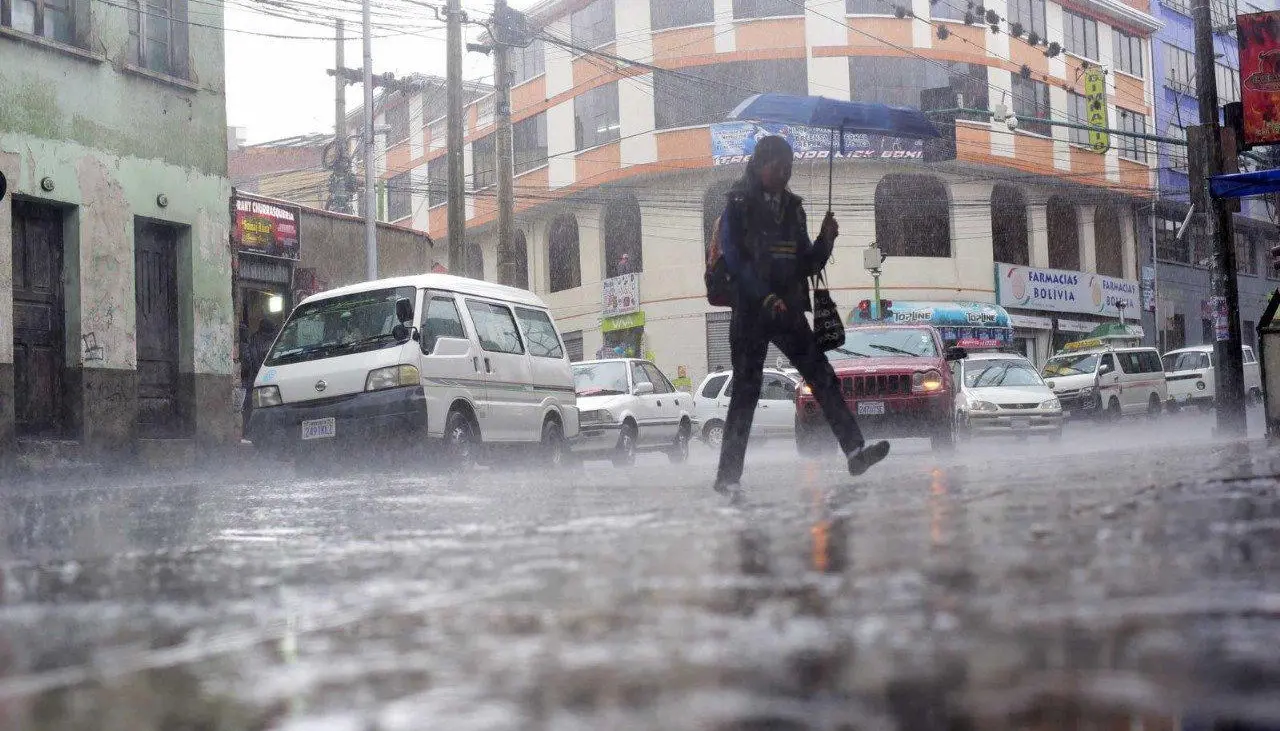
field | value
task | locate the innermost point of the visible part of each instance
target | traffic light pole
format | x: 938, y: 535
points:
x: 1228, y: 346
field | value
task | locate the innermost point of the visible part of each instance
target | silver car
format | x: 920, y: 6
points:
x: 775, y: 412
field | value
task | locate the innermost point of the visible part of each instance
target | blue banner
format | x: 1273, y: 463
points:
x: 735, y: 142
x: 970, y: 324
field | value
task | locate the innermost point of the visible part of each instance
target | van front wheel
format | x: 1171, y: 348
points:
x: 1153, y: 407
x: 554, y: 448
x: 459, y: 440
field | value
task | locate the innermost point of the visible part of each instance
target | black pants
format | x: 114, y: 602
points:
x: 749, y: 338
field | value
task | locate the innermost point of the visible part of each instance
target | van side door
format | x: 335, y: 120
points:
x: 449, y: 365
x: 552, y: 378
x: 504, y: 366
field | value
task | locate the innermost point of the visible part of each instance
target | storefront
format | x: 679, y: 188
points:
x: 1052, y: 307
x: 264, y: 235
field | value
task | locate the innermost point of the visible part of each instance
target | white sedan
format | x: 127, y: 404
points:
x: 1002, y: 393
x: 627, y: 406
x: 775, y: 412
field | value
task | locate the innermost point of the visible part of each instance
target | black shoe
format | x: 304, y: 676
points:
x: 727, y: 488
x: 862, y: 458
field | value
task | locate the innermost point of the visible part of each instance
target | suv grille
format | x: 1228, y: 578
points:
x: 878, y: 385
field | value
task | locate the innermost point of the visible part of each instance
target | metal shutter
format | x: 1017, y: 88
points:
x: 718, y: 353
x: 573, y: 345
x: 265, y: 270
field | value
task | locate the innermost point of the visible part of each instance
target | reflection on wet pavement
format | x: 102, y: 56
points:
x: 1007, y: 587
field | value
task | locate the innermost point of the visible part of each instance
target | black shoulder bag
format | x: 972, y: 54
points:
x: 828, y: 328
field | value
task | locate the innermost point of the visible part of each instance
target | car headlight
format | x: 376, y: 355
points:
x: 982, y: 406
x: 1086, y: 391
x: 1052, y: 404
x: 596, y: 416
x: 928, y: 381
x: 806, y: 390
x: 266, y: 397
x: 391, y: 377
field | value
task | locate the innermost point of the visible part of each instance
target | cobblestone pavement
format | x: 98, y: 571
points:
x: 1126, y: 578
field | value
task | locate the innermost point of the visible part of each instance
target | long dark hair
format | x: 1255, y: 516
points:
x: 768, y: 151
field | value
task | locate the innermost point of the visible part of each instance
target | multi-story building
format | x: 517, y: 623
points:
x: 115, y: 301
x: 1183, y: 315
x: 291, y: 168
x: 622, y: 168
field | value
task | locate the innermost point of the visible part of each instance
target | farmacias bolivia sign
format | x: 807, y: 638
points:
x: 1058, y: 290
x: 735, y: 142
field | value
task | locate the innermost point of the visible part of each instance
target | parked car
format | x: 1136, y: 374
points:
x: 775, y: 412
x: 1190, y: 375
x: 458, y: 360
x: 1001, y: 393
x: 1108, y: 382
x: 628, y: 406
x: 897, y: 381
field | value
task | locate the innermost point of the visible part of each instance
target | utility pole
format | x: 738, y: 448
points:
x: 370, y: 189
x: 457, y: 190
x: 1228, y: 350
x: 505, y: 167
x: 340, y: 197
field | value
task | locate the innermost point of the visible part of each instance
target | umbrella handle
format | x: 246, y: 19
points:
x: 831, y: 166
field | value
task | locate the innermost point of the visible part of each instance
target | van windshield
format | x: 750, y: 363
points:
x: 1186, y: 361
x: 353, y: 323
x: 600, y: 379
x: 1071, y: 365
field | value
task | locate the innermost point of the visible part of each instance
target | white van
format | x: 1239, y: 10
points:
x: 1190, y: 374
x: 454, y: 359
x: 1108, y: 381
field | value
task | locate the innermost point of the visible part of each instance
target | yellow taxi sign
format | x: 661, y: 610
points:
x: 1083, y: 345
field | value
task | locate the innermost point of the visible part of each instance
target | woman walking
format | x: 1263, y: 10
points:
x: 765, y: 243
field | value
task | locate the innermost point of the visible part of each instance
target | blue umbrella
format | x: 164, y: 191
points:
x: 837, y: 116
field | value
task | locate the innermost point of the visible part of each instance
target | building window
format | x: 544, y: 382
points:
x: 1078, y: 112
x: 400, y: 196
x: 520, y: 257
x: 913, y: 216
x: 1081, y: 35
x: 867, y: 7
x: 1180, y: 6
x: 1223, y: 15
x: 1168, y: 247
x: 52, y: 19
x: 1128, y: 53
x: 1175, y: 335
x: 679, y: 13
x: 766, y: 8
x: 1009, y: 225
x: 529, y: 142
x: 1030, y: 13
x: 158, y: 36
x: 620, y: 220
x: 1132, y: 148
x: 1108, y: 241
x: 595, y: 116
x: 1064, y: 235
x: 563, y: 260
x: 438, y: 181
x: 1180, y: 69
x: 1246, y: 254
x: 397, y: 118
x: 947, y: 10
x: 1228, y: 84
x: 528, y: 63
x: 573, y: 345
x: 897, y: 81
x: 1177, y: 153
x: 593, y: 26
x: 1031, y: 103
x: 484, y: 170
x: 682, y: 101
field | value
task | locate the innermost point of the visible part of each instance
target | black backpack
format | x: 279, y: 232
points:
x: 716, y: 276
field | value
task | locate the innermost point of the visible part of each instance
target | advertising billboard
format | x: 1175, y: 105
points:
x: 265, y: 228
x: 1058, y: 290
x: 735, y: 142
x: 1259, y: 35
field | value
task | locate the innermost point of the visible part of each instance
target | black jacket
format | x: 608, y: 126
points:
x: 768, y: 253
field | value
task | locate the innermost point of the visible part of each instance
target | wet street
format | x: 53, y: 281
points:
x: 1126, y: 578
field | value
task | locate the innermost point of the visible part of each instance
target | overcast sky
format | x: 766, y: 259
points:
x: 278, y: 87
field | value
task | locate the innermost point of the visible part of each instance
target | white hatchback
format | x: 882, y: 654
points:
x: 775, y: 412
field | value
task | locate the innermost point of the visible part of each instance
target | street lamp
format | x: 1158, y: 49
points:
x: 872, y: 259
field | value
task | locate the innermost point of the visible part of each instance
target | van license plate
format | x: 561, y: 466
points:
x: 319, y: 428
x: 1020, y: 422
x: 871, y: 408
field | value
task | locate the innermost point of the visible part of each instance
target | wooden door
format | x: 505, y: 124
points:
x: 156, y: 298
x: 38, y: 357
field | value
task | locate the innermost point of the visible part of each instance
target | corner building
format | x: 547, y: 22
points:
x: 622, y: 169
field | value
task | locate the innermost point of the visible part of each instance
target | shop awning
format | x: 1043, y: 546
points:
x: 1243, y: 185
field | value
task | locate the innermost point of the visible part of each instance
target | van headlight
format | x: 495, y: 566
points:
x: 927, y: 381
x: 266, y: 397
x: 391, y: 377
x: 1052, y: 404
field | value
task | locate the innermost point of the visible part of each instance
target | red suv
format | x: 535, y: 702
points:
x: 895, y: 378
